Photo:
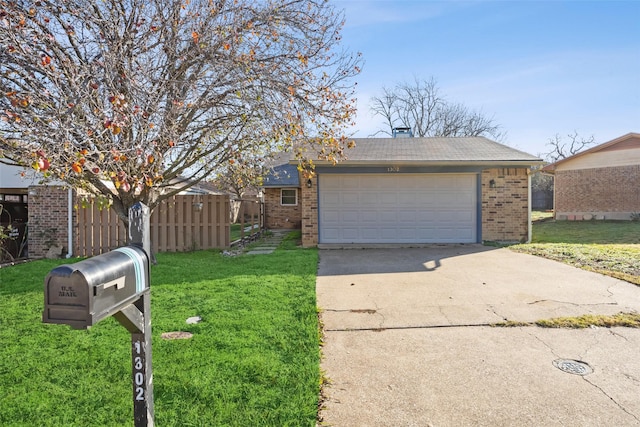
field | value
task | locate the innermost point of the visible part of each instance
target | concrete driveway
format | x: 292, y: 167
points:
x: 408, y: 340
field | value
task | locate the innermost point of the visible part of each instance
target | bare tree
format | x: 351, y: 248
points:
x: 420, y: 106
x: 137, y: 100
x: 561, y: 148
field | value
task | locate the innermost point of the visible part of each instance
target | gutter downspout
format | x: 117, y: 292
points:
x: 70, y: 223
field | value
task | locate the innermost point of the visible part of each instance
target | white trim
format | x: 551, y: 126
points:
x: 289, y: 189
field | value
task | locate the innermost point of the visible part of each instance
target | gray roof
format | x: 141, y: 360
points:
x: 434, y: 150
x: 285, y: 175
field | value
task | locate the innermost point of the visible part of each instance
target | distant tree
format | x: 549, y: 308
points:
x: 238, y: 179
x: 421, y: 106
x: 541, y: 181
x: 561, y: 148
x: 137, y: 100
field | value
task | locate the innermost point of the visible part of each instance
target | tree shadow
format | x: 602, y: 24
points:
x: 335, y: 262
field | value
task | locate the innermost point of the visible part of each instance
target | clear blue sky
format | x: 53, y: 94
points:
x: 539, y: 68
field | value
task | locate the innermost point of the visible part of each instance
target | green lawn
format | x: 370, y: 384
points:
x: 607, y: 247
x: 252, y: 361
x: 586, y: 232
x: 235, y: 233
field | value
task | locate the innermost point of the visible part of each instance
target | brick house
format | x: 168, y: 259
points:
x: 281, y: 193
x: 48, y: 223
x: 407, y: 191
x: 602, y: 182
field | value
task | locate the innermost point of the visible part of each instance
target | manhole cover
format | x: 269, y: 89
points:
x: 575, y: 367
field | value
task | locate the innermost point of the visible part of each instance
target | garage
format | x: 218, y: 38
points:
x: 410, y: 191
x: 397, y: 208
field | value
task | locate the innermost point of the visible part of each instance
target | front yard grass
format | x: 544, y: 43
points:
x: 607, y: 247
x: 252, y: 361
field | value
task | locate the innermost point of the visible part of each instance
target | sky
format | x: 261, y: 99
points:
x: 538, y: 68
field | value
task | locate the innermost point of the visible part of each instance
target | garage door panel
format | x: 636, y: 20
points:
x: 330, y: 216
x: 350, y: 234
x: 387, y: 218
x: 403, y: 208
x: 368, y: 199
x: 407, y: 198
x: 407, y: 217
x: 388, y: 234
x: 351, y: 218
x: 387, y: 198
x: 330, y: 199
x: 369, y: 216
x: 369, y: 233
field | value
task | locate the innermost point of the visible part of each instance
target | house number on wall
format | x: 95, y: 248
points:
x: 393, y: 169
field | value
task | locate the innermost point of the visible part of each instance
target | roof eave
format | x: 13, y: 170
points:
x: 282, y: 186
x: 414, y: 163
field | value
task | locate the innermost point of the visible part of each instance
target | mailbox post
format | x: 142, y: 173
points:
x: 141, y: 369
x: 112, y: 284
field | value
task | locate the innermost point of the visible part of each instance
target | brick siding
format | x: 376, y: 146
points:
x: 310, y: 214
x: 505, y: 206
x: 278, y: 216
x: 48, y: 219
x: 612, y: 192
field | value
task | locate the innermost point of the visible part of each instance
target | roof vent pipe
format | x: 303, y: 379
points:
x: 402, y: 132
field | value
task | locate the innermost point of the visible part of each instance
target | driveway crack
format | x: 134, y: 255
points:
x: 616, y: 334
x: 383, y: 319
x: 632, y: 378
x: 440, y: 309
x: 612, y: 399
x: 572, y: 303
x: 493, y: 310
x: 545, y: 344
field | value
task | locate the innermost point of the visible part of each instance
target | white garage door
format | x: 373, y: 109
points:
x: 401, y: 208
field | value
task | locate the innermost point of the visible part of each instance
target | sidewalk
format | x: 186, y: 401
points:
x: 268, y: 243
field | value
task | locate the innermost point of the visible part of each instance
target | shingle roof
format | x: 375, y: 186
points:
x: 417, y: 151
x: 285, y: 175
x: 433, y: 150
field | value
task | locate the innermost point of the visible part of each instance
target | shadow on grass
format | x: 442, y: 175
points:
x: 172, y: 268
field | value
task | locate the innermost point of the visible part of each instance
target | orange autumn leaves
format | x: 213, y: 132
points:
x: 120, y: 179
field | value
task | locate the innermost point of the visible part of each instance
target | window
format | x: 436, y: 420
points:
x: 288, y: 197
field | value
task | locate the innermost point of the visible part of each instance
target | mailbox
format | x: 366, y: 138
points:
x: 82, y: 294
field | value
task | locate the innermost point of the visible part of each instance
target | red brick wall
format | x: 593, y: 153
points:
x: 278, y: 216
x: 505, y: 206
x: 310, y: 214
x: 610, y: 192
x: 48, y: 219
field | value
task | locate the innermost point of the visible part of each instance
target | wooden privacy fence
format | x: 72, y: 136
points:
x: 178, y: 224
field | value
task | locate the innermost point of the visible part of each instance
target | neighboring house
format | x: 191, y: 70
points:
x: 602, y: 182
x: 407, y: 191
x: 13, y: 208
x: 50, y: 213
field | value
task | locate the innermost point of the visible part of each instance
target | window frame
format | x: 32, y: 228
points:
x: 282, y: 196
